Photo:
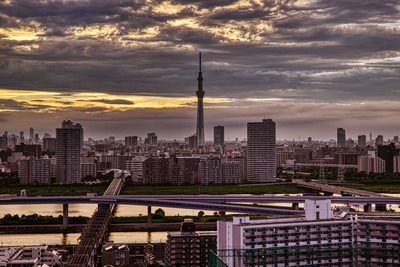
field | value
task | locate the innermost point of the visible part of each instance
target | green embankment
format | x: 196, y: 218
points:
x: 131, y: 189
x: 35, y: 219
x: 54, y: 190
x: 209, y: 189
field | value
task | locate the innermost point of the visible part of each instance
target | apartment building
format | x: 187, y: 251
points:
x: 378, y: 242
x: 29, y: 256
x: 187, y: 248
x: 317, y: 239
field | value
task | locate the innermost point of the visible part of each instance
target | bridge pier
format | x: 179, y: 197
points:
x: 368, y: 208
x: 148, y: 214
x: 65, y: 216
x: 295, y: 206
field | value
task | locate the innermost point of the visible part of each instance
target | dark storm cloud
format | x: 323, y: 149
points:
x: 309, y: 48
x: 238, y: 14
x: 71, y: 12
x: 94, y: 110
x: 113, y: 101
x: 206, y: 3
x: 199, y: 37
x: 10, y: 104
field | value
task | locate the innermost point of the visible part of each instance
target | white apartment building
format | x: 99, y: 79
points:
x: 396, y: 164
x: 378, y: 242
x: 135, y: 166
x: 317, y: 239
x: 371, y: 164
x: 29, y: 256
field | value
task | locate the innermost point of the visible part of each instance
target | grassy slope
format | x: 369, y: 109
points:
x: 68, y: 190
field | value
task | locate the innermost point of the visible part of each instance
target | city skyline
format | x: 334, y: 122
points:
x: 127, y: 68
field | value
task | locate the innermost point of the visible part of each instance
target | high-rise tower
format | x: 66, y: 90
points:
x: 31, y: 135
x: 341, y: 137
x: 69, y: 142
x: 219, y: 138
x: 261, y: 151
x: 200, y: 113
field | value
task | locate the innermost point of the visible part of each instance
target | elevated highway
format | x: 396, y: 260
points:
x: 231, y: 203
x: 320, y: 164
x: 333, y: 189
x: 208, y: 202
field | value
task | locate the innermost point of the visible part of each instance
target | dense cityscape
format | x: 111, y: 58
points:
x: 147, y: 133
x: 315, y: 234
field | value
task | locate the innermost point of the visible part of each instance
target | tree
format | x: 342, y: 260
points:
x: 201, y: 213
x: 160, y: 212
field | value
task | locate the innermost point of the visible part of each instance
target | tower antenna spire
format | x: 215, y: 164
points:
x: 200, y: 61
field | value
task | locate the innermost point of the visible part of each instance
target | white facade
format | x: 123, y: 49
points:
x: 29, y: 256
x: 371, y: 164
x: 378, y: 241
x: 275, y: 237
x: 298, y: 241
x: 135, y: 166
x: 318, y: 209
x: 396, y: 164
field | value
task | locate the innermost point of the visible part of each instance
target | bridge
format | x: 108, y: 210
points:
x: 334, y: 189
x: 227, y: 203
x: 93, y: 234
x: 321, y: 164
x: 202, y: 202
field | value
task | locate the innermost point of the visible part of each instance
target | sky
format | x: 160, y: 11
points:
x: 129, y: 67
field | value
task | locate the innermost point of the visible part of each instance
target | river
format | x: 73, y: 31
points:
x: 83, y: 210
x: 72, y: 238
x: 87, y: 210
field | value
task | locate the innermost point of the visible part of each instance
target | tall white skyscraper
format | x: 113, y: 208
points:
x: 69, y: 142
x: 261, y: 151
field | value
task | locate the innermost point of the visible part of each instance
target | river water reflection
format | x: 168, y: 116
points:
x: 72, y: 238
x: 87, y: 210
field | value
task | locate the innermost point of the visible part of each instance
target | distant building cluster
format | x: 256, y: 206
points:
x: 68, y: 158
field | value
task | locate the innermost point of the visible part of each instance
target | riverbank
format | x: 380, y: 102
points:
x: 120, y: 227
x: 135, y: 189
